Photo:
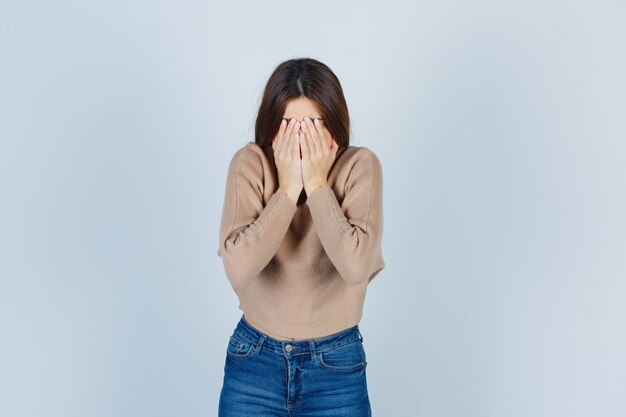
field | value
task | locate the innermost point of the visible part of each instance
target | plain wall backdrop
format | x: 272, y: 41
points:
x: 501, y: 131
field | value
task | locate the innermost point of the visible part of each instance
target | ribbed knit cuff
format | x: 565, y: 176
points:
x: 319, y: 193
x: 279, y: 206
x: 323, y: 204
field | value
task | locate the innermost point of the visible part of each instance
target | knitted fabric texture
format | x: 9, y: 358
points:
x: 301, y: 270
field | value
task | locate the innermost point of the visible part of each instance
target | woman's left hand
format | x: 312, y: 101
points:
x: 318, y: 149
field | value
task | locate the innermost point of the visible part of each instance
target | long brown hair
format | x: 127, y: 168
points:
x: 303, y: 77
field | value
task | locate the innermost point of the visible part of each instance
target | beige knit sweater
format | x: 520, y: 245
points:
x: 301, y: 270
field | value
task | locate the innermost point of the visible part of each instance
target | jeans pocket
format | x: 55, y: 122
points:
x: 344, y: 358
x: 239, y: 347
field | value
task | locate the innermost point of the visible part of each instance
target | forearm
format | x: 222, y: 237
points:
x: 353, y: 249
x: 292, y: 192
x: 247, y: 249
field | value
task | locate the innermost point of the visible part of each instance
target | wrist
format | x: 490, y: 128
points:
x: 309, y: 188
x: 293, y: 192
x: 289, y: 188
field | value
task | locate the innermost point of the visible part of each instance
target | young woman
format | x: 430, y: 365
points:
x: 300, y: 239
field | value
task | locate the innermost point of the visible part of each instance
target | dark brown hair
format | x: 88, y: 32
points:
x: 303, y: 77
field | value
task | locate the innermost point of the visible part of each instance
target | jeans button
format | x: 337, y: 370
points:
x: 288, y: 348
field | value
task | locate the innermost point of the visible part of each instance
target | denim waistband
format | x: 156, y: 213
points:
x: 296, y: 347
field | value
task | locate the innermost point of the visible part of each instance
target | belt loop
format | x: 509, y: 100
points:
x: 313, y: 352
x: 359, y: 332
x: 260, y: 343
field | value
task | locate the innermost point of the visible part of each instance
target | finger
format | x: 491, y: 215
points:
x: 304, y: 147
x: 312, y: 139
x: 279, y: 137
x: 319, y: 128
x: 295, y: 146
x: 284, y: 140
x: 296, y: 129
x: 328, y: 137
x: 323, y: 139
x: 293, y: 138
x: 307, y: 134
x: 283, y: 126
x: 291, y: 127
x: 281, y: 130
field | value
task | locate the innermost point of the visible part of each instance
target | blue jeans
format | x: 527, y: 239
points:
x: 319, y: 377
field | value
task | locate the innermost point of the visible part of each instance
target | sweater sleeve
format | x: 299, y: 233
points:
x: 250, y: 233
x: 351, y: 233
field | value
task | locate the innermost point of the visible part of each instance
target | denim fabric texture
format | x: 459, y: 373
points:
x: 319, y: 377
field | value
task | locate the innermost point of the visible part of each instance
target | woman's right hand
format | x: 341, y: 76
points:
x: 286, y: 146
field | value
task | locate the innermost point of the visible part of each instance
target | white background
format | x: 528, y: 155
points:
x: 500, y: 128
